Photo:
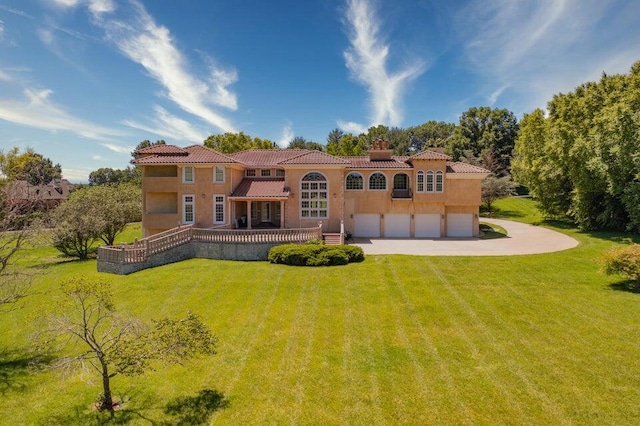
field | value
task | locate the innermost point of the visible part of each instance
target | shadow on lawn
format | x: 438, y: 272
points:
x: 628, y: 286
x: 15, y: 366
x: 181, y: 411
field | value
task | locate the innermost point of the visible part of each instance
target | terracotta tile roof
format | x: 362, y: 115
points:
x: 315, y: 157
x: 465, y: 168
x: 429, y: 155
x: 364, y: 163
x: 195, y: 154
x: 162, y: 150
x: 265, y: 157
x: 261, y: 188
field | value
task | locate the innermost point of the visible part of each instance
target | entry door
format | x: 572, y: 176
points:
x: 266, y: 211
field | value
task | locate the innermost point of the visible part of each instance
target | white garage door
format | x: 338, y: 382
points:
x: 366, y: 225
x: 459, y: 225
x: 427, y: 225
x: 397, y: 226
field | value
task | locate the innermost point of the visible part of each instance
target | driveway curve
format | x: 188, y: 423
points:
x: 521, y: 239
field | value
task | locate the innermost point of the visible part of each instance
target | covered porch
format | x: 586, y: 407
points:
x: 259, y: 204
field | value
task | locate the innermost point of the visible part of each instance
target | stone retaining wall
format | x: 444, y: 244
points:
x: 190, y: 250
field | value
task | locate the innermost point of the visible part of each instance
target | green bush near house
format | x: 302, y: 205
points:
x: 624, y: 261
x: 315, y: 255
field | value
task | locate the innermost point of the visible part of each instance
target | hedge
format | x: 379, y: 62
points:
x: 315, y: 255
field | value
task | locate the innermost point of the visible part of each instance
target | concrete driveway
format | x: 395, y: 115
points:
x: 521, y: 239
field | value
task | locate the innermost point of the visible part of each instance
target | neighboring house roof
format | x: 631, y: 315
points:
x: 57, y: 189
x: 429, y: 155
x: 261, y: 188
x: 195, y: 154
x: 364, y: 162
x: 459, y: 167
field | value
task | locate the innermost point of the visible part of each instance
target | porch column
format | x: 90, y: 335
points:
x: 248, y: 214
x: 281, y: 214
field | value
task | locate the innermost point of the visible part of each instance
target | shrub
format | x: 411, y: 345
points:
x: 624, y: 261
x: 315, y: 255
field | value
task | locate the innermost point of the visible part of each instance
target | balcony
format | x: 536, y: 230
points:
x: 401, y: 194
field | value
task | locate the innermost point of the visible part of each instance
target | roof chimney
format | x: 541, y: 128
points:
x: 379, y: 150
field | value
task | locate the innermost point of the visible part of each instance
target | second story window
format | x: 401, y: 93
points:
x: 377, y: 181
x: 420, y: 182
x: 265, y: 172
x: 439, y: 181
x: 250, y: 173
x: 280, y: 172
x: 187, y: 175
x: 218, y: 174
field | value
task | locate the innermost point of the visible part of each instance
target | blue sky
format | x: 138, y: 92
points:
x: 83, y: 81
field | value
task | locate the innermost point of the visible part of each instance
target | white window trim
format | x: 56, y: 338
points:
x: 424, y: 181
x: 224, y: 209
x: 351, y: 189
x: 386, y: 182
x: 435, y: 182
x: 184, y: 174
x: 265, y: 172
x: 215, y: 174
x: 184, y: 208
x: 279, y: 172
x: 250, y: 173
x: 310, y: 190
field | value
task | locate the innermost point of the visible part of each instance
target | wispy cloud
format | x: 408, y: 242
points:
x: 351, y: 127
x: 286, y: 136
x: 170, y: 126
x: 366, y: 60
x: 119, y: 148
x: 151, y: 45
x: 38, y: 111
x: 535, y: 49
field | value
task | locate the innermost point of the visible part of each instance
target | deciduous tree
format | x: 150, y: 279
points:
x: 85, y: 327
x: 495, y: 188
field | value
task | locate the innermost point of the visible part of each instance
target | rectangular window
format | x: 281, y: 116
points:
x: 250, y: 172
x: 218, y: 209
x: 429, y: 181
x: 265, y: 172
x: 420, y: 182
x: 188, y: 209
x: 218, y: 174
x: 254, y: 210
x: 278, y: 209
x: 439, y: 182
x: 187, y: 175
x: 279, y: 172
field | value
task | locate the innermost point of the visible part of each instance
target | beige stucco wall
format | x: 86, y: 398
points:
x: 463, y: 192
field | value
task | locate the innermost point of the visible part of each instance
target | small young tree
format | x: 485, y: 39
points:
x: 110, y: 344
x: 624, y: 261
x: 494, y: 188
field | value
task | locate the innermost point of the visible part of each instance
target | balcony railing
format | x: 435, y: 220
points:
x: 401, y: 194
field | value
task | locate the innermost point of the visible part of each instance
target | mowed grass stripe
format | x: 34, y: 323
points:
x: 431, y: 377
x: 506, y: 357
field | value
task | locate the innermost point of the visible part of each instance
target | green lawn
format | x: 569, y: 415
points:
x: 541, y: 339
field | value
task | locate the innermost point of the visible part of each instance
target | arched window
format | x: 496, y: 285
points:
x: 314, y: 196
x: 377, y: 181
x: 354, y: 181
x: 420, y: 181
x: 429, y: 181
x: 439, y: 182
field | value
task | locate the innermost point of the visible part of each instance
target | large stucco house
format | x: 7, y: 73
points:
x: 380, y: 195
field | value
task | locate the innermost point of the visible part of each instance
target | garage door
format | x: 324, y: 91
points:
x: 427, y: 225
x: 459, y: 225
x: 397, y: 226
x: 366, y: 225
